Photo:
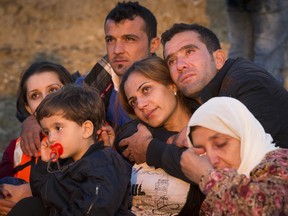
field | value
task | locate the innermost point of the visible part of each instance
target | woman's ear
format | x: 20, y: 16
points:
x: 173, y: 88
x: 220, y: 58
x: 87, y: 129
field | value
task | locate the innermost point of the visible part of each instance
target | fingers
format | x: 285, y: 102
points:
x: 106, y: 139
x: 6, y: 206
x: 30, y: 136
x: 4, y: 193
x: 107, y: 135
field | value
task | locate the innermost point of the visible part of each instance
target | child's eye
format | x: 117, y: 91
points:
x: 58, y: 128
x: 45, y: 132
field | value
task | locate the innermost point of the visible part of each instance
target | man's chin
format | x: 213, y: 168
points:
x: 120, y: 70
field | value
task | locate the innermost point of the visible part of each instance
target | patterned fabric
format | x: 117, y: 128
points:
x: 265, y: 192
x: 155, y: 192
x: 100, y: 78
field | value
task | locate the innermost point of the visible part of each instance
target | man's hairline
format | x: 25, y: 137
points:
x: 143, y: 28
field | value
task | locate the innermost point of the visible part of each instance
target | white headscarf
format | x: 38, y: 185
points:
x: 229, y: 116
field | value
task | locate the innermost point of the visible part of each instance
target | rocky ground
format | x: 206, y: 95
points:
x: 70, y: 32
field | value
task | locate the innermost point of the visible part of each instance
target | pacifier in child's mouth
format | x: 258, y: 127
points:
x: 56, y: 152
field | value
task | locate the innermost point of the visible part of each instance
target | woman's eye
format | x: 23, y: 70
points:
x: 146, y: 89
x: 34, y: 96
x: 53, y: 90
x: 132, y: 103
x: 221, y: 145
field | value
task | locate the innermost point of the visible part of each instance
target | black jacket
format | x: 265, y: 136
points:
x: 195, y: 197
x: 253, y: 86
x: 97, y: 184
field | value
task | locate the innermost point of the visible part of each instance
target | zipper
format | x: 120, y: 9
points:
x: 94, y: 200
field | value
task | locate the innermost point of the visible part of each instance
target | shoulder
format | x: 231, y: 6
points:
x: 274, y: 164
x: 107, y: 157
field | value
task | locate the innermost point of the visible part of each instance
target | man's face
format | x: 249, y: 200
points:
x: 126, y: 42
x: 190, y: 64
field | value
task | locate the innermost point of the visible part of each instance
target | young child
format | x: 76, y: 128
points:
x: 88, y: 179
x: 37, y: 81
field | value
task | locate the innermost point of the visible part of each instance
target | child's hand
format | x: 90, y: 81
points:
x: 45, y: 150
x: 107, y: 135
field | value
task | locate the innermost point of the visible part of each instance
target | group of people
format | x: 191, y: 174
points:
x: 193, y: 133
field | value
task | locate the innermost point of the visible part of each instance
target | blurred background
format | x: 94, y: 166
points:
x: 70, y: 32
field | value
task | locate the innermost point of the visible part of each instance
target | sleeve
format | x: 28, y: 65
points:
x: 7, y: 162
x: 103, y: 190
x: 167, y: 157
x: 259, y: 97
x: 38, y: 176
x: 228, y: 193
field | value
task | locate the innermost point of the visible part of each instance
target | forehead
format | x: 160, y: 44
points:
x: 180, y: 40
x: 42, y: 79
x: 125, y: 27
x: 134, y: 80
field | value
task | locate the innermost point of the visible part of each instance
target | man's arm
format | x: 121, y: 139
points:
x: 141, y: 147
x: 30, y: 136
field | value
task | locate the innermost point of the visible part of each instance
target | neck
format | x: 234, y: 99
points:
x: 178, y: 120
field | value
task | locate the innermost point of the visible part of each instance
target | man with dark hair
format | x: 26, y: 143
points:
x: 200, y: 69
x: 130, y: 35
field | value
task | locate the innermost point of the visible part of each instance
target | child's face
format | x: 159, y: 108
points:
x: 39, y: 86
x: 69, y: 134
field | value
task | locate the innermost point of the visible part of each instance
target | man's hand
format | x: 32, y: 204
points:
x: 194, y: 166
x: 137, y: 144
x: 13, y: 194
x: 107, y: 135
x: 30, y: 136
x: 181, y: 139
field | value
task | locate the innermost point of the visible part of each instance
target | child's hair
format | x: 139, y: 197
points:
x: 37, y: 68
x: 75, y: 103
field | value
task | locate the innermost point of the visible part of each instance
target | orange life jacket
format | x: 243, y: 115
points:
x: 22, y: 163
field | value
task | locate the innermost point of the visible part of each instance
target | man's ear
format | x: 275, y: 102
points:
x: 219, y: 58
x: 87, y: 129
x: 154, y: 44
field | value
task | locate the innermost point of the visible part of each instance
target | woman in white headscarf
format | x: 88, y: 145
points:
x: 234, y: 161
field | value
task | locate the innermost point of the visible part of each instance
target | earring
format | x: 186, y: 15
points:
x: 175, y: 93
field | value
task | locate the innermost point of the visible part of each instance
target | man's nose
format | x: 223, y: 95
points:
x: 181, y: 64
x: 119, y: 48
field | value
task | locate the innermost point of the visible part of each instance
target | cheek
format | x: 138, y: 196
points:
x: 173, y: 73
x: 139, y: 114
x: 33, y: 105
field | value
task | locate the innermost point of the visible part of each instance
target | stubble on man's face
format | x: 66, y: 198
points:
x: 126, y: 42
